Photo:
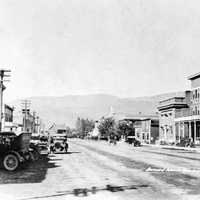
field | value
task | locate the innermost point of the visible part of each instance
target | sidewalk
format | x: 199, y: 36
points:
x: 197, y: 149
x: 122, y: 143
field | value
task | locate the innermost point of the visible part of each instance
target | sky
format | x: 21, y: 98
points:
x: 127, y: 48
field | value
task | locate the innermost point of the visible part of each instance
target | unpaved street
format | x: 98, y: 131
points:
x: 96, y: 170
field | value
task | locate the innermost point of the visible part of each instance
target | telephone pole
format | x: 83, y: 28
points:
x: 37, y: 122
x: 25, y: 110
x: 3, y: 73
x: 34, y: 122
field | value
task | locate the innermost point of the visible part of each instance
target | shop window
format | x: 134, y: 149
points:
x: 198, y: 130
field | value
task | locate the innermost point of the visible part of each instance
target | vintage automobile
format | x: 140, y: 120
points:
x: 14, y: 149
x: 39, y: 145
x: 132, y: 140
x: 58, y: 143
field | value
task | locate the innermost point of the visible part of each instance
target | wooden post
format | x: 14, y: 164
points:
x: 179, y: 131
x: 183, y: 127
x: 190, y: 131
x: 149, y: 131
x: 195, y: 132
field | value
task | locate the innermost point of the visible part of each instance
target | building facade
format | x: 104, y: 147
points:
x: 7, y: 120
x: 188, y: 120
x: 168, y: 110
x: 180, y: 116
x: 147, y: 130
x: 145, y: 127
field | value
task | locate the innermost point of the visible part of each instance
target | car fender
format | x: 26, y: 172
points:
x: 20, y: 158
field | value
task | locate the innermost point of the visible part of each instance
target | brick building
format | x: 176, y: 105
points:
x: 146, y: 127
x: 180, y: 116
x: 168, y: 110
x: 7, y: 121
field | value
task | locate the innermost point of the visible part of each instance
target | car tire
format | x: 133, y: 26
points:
x: 10, y: 162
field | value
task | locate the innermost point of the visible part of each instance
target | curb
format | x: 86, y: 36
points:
x: 174, y: 147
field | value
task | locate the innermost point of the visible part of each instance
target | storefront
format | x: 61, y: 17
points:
x: 188, y: 127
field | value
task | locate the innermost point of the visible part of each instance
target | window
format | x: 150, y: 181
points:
x: 195, y: 110
x: 198, y: 130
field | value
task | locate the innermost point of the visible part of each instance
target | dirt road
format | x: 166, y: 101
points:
x: 96, y: 170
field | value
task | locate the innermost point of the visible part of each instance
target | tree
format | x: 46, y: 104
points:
x: 107, y: 127
x: 125, y: 128
x: 89, y: 125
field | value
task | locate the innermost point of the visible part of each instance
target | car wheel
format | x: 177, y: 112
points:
x: 10, y: 162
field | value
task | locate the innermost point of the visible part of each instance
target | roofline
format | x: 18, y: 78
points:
x: 170, y: 106
x: 191, y: 77
x: 136, y: 118
x: 176, y: 97
x: 11, y: 107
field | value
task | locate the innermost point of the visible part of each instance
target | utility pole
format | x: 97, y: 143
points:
x: 3, y: 73
x: 25, y: 110
x: 37, y: 121
x: 34, y: 122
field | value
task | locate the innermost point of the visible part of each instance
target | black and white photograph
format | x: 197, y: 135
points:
x: 99, y: 99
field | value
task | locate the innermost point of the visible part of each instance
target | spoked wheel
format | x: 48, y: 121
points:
x: 10, y: 162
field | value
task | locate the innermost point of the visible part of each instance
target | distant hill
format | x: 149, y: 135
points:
x: 66, y: 109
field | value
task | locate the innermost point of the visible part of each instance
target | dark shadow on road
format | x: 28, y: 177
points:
x: 69, y: 152
x: 33, y: 172
x: 55, y: 159
x: 72, y: 152
x: 51, y: 156
x: 81, y: 192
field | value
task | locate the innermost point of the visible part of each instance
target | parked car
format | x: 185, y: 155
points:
x: 132, y: 140
x: 14, y: 149
x: 58, y: 143
x: 39, y: 144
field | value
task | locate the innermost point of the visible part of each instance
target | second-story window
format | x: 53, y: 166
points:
x: 195, y: 110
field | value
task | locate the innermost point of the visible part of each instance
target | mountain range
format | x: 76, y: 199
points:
x: 66, y: 109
